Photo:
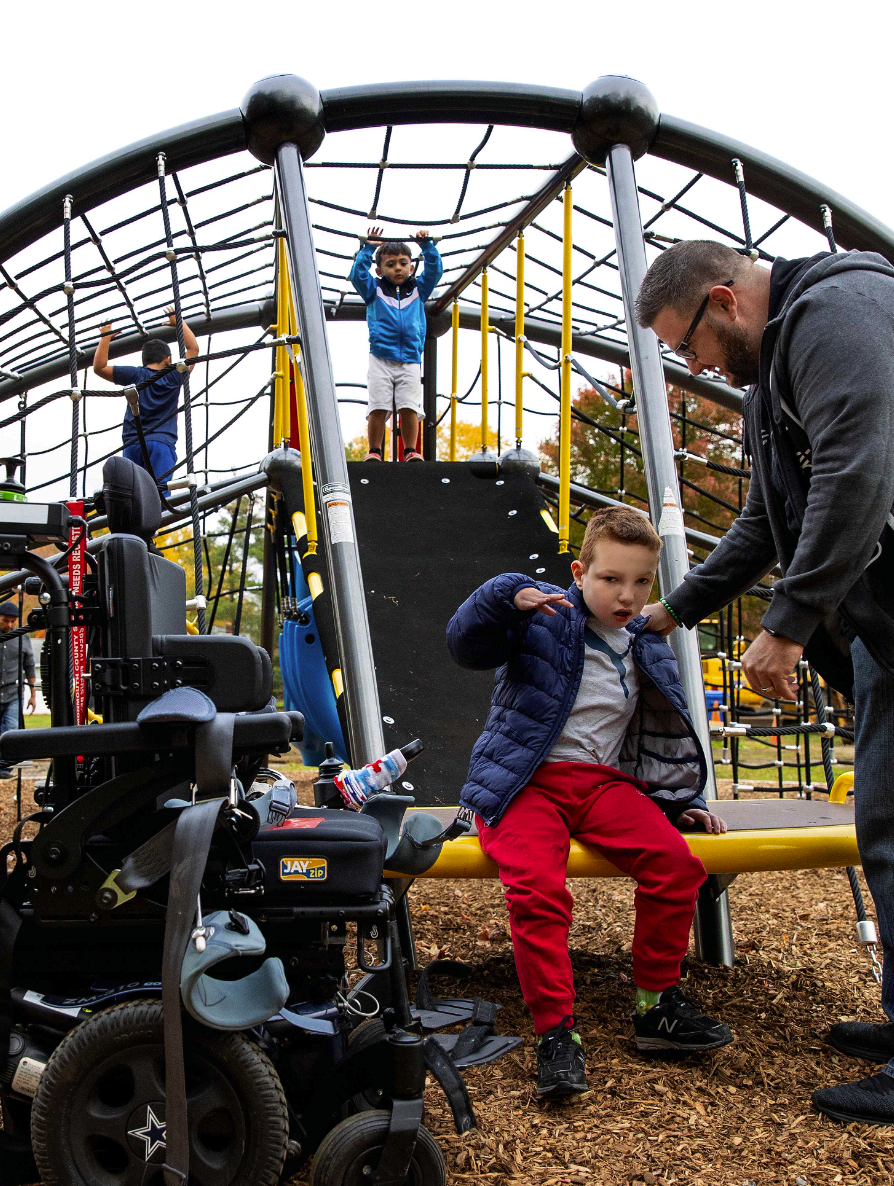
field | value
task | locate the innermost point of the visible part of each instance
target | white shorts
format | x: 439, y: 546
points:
x: 394, y: 384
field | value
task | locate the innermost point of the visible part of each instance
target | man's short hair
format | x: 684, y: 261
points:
x: 392, y: 247
x: 681, y: 276
x: 622, y: 524
x: 155, y: 351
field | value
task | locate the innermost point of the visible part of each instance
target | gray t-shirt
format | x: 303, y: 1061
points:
x: 605, y: 702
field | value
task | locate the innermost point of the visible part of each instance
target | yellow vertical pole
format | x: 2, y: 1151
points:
x: 455, y: 327
x: 519, y: 333
x: 565, y: 406
x: 307, y: 477
x: 281, y: 381
x: 485, y: 326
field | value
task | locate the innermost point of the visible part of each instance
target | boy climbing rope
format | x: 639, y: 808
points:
x: 589, y: 736
x: 395, y: 314
x: 158, y: 399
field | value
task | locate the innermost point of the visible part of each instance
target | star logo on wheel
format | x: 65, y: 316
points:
x: 153, y: 1134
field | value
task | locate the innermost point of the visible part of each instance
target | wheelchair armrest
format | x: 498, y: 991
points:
x: 262, y: 733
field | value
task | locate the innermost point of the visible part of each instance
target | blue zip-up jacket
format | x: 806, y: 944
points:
x: 396, y: 316
x: 541, y: 661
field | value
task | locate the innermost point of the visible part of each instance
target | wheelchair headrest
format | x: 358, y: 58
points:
x: 131, y: 499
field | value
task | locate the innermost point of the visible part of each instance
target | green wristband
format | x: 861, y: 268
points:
x: 670, y: 610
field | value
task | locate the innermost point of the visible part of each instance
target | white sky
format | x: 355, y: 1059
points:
x: 81, y: 80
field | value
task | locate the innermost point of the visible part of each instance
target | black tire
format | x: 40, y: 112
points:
x: 349, y: 1154
x: 96, y: 1122
x: 367, y: 1034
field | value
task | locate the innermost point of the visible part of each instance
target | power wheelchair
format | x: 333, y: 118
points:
x: 165, y: 852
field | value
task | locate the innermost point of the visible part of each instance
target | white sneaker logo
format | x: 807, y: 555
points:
x: 670, y: 1026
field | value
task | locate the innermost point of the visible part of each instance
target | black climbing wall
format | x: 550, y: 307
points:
x: 429, y: 535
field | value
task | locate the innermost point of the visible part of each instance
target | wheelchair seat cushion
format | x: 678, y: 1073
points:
x: 321, y: 851
x: 178, y: 705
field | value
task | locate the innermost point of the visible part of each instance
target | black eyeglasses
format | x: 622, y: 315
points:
x: 683, y: 351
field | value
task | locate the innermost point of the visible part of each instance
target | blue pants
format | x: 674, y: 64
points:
x: 874, y: 801
x: 162, y: 456
x: 9, y: 719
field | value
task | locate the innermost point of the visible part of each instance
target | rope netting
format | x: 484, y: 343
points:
x: 204, y: 241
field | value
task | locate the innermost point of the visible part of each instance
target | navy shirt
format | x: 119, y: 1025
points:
x: 158, y: 403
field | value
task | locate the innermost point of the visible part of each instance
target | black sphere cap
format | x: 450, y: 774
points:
x: 283, y: 109
x: 615, y: 110
x: 279, y: 465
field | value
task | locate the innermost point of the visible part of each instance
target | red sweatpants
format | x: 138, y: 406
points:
x: 605, y: 809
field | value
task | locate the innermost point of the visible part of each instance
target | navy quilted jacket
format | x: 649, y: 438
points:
x: 540, y: 661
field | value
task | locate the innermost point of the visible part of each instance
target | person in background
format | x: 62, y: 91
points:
x: 395, y: 316
x: 11, y: 673
x: 158, y: 399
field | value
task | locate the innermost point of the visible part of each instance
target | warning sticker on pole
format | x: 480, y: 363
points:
x: 671, y: 521
x: 341, y: 528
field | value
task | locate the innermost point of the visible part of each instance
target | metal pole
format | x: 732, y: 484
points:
x: 565, y: 372
x: 430, y: 399
x: 713, y: 930
x: 339, y: 533
x: 454, y: 360
x: 519, y: 333
x: 485, y: 328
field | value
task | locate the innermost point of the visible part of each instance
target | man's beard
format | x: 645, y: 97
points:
x: 742, y: 362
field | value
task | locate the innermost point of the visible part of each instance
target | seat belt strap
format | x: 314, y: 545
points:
x: 192, y: 840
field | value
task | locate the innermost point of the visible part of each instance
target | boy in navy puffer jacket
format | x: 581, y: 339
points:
x: 395, y: 315
x: 588, y: 735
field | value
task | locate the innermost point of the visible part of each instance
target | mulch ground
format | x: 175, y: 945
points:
x: 739, y: 1117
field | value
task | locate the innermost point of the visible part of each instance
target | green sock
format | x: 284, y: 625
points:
x: 646, y: 1000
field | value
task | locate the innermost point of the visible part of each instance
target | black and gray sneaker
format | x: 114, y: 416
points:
x: 675, y: 1024
x: 869, y: 1100
x: 863, y: 1039
x: 560, y: 1062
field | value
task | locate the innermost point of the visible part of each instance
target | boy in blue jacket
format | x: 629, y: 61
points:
x: 395, y: 314
x: 588, y: 735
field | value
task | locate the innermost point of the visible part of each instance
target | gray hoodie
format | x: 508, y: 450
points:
x: 819, y: 428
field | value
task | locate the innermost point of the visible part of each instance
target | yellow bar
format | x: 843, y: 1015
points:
x: 307, y: 477
x: 565, y: 405
x: 735, y: 852
x: 338, y: 684
x: 455, y: 362
x: 840, y: 787
x: 519, y: 333
x: 315, y: 584
x: 281, y: 383
x: 299, y: 525
x: 485, y: 319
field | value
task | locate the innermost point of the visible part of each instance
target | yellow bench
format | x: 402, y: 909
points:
x: 766, y: 833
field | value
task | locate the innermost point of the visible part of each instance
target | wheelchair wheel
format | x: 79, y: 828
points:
x: 99, y: 1113
x: 367, y: 1034
x: 349, y: 1154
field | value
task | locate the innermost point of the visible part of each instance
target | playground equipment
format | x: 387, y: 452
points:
x: 361, y: 651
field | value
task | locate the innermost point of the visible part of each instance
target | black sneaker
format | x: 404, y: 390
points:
x: 863, y: 1039
x: 560, y: 1062
x: 675, y: 1024
x: 870, y: 1100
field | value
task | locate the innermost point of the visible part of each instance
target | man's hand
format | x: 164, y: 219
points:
x: 32, y: 700
x: 660, y: 621
x: 171, y: 311
x: 106, y: 331
x: 420, y: 235
x: 768, y: 665
x: 530, y: 598
x: 374, y: 234
x: 710, y: 822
